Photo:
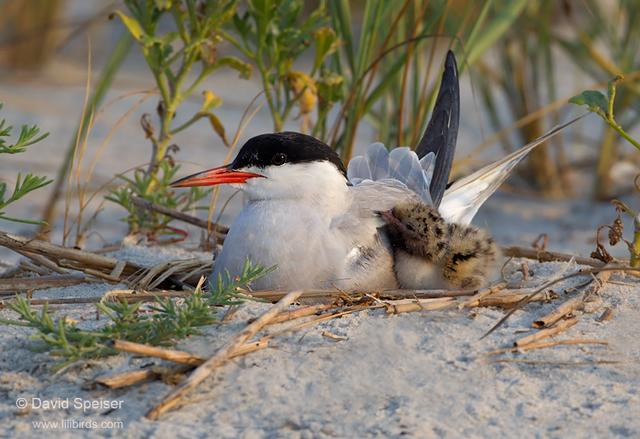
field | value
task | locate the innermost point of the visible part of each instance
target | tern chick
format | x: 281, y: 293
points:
x: 430, y: 253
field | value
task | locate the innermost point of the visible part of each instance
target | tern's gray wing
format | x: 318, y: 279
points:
x: 401, y: 165
x: 442, y: 131
x: 463, y: 199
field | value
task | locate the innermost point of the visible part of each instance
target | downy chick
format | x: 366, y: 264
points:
x: 429, y: 253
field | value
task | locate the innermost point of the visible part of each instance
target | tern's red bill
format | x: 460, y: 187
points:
x: 211, y: 177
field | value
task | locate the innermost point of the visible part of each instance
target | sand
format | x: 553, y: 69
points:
x: 417, y: 375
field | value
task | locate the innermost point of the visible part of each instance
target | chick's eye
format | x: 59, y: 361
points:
x: 410, y: 227
x: 279, y: 159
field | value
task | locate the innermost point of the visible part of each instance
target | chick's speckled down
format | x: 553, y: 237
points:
x: 430, y: 253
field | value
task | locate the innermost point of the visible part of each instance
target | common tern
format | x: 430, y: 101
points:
x: 319, y: 224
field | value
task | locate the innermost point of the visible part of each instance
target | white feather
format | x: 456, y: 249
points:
x: 463, y: 199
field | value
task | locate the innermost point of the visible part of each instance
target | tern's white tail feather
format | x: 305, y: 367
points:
x: 463, y: 199
x: 402, y: 165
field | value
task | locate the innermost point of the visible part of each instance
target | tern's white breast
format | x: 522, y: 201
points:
x: 294, y: 236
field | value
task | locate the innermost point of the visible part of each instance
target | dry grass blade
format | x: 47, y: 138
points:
x: 219, y: 229
x: 528, y: 298
x: 332, y: 294
x: 419, y: 305
x: 118, y: 295
x: 574, y: 304
x: 547, y: 256
x: 220, y: 357
x: 606, y: 315
x: 477, y: 298
x: 39, y: 283
x: 182, y: 268
x: 508, y: 300
x: 42, y: 261
x: 65, y: 256
x: 305, y: 311
x: 549, y: 344
x: 555, y: 363
x: 124, y: 379
x: 324, y: 317
x: 180, y: 357
x: 545, y: 333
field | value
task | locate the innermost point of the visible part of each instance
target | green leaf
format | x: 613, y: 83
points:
x: 245, y: 69
x: 132, y: 25
x: 594, y: 100
x: 326, y: 43
x: 508, y: 12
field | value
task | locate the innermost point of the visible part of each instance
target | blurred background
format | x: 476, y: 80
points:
x: 135, y: 93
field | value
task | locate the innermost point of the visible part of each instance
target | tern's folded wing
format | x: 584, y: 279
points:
x: 401, y: 166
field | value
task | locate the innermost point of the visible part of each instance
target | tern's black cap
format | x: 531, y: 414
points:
x: 287, y: 147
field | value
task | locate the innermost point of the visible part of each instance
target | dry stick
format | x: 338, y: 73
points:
x: 29, y: 267
x: 181, y: 357
x: 383, y: 294
x: 545, y: 333
x: 512, y: 299
x: 300, y: 312
x: 606, y: 315
x: 548, y: 344
x: 528, y: 298
x: 323, y: 317
x: 220, y: 357
x: 547, y: 256
x: 419, y: 305
x: 555, y: 363
x: 39, y: 283
x: 574, y: 304
x: 129, y: 298
x: 65, y: 255
x: 476, y: 299
x: 42, y: 261
x: 186, y: 360
x: 220, y: 230
x: 124, y: 379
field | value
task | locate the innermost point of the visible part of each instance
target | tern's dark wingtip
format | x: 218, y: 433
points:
x: 451, y: 58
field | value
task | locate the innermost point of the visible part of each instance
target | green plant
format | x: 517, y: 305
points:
x: 139, y: 185
x: 179, y: 60
x: 273, y: 35
x: 27, y: 136
x: 162, y: 323
x: 389, y: 69
x: 603, y: 105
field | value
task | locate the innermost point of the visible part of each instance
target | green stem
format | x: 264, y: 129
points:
x: 634, y: 248
x: 196, y: 117
x: 613, y: 124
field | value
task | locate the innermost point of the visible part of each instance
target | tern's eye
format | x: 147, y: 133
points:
x: 279, y: 159
x: 410, y: 227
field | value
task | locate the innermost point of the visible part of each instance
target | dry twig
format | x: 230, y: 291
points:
x: 548, y: 344
x: 574, y: 304
x: 477, y: 298
x: 220, y: 230
x: 545, y: 333
x: 547, y: 256
x: 219, y: 358
x: 14, y: 285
